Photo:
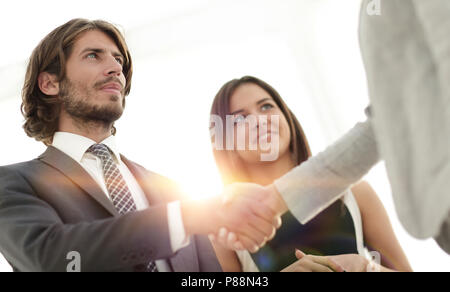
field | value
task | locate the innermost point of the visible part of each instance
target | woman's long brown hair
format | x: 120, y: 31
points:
x: 229, y: 164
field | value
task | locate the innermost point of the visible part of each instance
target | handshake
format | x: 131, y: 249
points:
x: 244, y: 218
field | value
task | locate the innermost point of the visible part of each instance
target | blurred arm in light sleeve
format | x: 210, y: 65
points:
x: 317, y: 183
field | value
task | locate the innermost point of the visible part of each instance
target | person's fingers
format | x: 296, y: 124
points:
x: 224, y: 238
x: 231, y: 240
x: 278, y: 222
x: 238, y: 246
x: 299, y: 254
x: 221, y: 237
x: 302, y: 270
x: 248, y: 243
x: 317, y: 268
x: 239, y: 218
x: 335, y: 266
x: 263, y: 211
x: 223, y: 233
x: 264, y: 228
x: 326, y: 261
x: 274, y: 232
x: 249, y: 217
x: 300, y: 267
x: 252, y: 226
x: 258, y: 229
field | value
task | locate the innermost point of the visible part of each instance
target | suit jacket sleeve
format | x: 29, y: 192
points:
x: 34, y: 238
x: 317, y: 183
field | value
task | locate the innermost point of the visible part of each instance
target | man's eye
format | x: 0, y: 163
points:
x: 91, y: 56
x: 119, y: 60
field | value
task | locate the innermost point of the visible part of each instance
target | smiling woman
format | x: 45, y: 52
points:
x: 337, y: 230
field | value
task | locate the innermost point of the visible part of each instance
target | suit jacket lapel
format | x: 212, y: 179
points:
x: 75, y: 172
x: 185, y: 260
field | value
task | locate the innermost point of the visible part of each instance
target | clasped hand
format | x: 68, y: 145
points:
x: 249, y: 216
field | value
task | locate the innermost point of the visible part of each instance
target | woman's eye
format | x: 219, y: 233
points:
x: 267, y: 106
x: 91, y: 56
x: 239, y: 119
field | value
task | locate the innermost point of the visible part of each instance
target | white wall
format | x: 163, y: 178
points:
x: 184, y: 51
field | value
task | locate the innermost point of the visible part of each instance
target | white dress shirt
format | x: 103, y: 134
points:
x: 76, y: 146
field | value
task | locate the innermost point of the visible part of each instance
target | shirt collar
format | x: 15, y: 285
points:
x: 76, y: 146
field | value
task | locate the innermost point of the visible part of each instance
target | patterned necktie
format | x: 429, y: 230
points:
x: 116, y: 185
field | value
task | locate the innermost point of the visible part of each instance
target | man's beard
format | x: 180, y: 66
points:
x: 76, y: 104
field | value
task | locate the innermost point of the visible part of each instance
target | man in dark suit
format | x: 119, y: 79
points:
x: 82, y: 196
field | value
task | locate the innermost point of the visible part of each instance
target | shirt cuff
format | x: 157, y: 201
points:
x: 178, y: 237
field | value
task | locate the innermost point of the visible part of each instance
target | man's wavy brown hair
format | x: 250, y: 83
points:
x: 41, y: 111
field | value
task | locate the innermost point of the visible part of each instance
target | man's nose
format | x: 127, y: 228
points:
x: 113, y: 68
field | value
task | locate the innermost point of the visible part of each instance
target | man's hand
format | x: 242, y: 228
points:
x: 268, y: 196
x: 251, y: 221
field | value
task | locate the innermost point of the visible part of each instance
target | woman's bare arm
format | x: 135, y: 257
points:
x: 377, y: 228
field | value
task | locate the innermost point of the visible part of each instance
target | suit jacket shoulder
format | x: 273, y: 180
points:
x: 161, y: 189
